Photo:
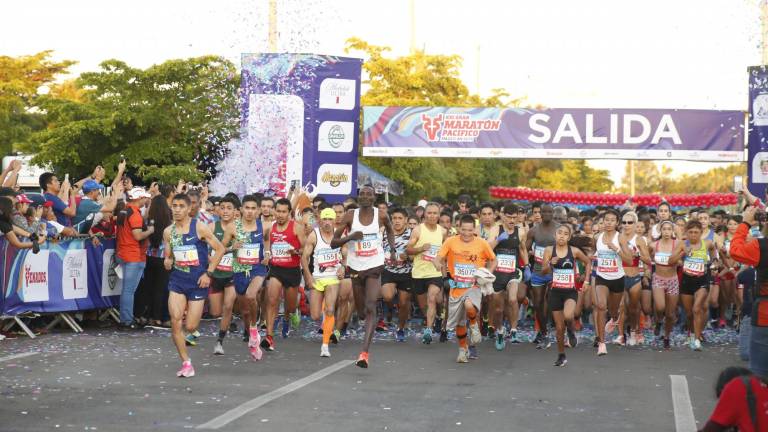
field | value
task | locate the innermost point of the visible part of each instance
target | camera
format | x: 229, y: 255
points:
x: 35, y: 245
x: 760, y: 216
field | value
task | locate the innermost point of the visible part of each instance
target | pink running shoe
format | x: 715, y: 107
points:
x: 610, y: 326
x: 187, y: 371
x: 256, y: 353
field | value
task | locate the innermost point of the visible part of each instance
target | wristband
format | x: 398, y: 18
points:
x: 209, y: 274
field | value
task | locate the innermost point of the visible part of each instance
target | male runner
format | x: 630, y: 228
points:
x: 266, y: 210
x: 222, y: 285
x: 510, y: 251
x: 424, y: 244
x: 286, y: 239
x: 397, y: 274
x: 366, y: 259
x: 458, y: 258
x: 539, y: 238
x: 251, y: 250
x: 186, y: 254
x: 324, y: 277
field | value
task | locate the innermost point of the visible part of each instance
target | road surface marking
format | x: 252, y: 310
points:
x: 681, y: 401
x: 252, y: 404
x: 18, y: 356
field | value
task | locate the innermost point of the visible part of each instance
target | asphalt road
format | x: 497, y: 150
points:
x: 111, y: 381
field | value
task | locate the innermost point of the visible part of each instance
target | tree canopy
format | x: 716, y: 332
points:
x: 170, y: 120
x: 653, y: 178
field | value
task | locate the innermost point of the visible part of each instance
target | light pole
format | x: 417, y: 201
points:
x: 273, y: 25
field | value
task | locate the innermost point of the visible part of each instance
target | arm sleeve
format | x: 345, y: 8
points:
x: 743, y: 251
x: 444, y: 249
x: 136, y: 221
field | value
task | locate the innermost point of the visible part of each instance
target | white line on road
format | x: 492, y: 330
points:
x: 252, y: 404
x: 681, y: 401
x: 18, y: 356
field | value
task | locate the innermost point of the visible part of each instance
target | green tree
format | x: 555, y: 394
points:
x: 422, y: 79
x: 650, y: 178
x: 718, y: 179
x: 170, y: 120
x: 573, y: 176
x: 21, y: 80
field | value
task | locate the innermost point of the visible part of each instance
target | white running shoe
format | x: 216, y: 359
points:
x: 632, y: 339
x: 324, y: 351
x: 218, y: 349
x: 462, y: 358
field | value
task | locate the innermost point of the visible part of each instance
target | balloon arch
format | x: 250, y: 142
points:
x: 591, y: 199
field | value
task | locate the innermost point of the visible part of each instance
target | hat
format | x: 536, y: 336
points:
x: 23, y: 199
x: 9, y: 192
x: 138, y: 193
x: 90, y: 186
x: 423, y: 203
x: 328, y: 214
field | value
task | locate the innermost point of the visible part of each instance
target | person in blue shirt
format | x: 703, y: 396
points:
x: 52, y: 189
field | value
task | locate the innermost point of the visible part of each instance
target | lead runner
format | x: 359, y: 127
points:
x: 366, y: 258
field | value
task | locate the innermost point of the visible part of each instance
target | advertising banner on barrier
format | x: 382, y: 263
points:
x: 300, y: 122
x: 757, y: 139
x: 697, y: 135
x: 71, y: 275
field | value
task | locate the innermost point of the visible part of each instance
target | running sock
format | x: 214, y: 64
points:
x: 328, y: 324
x: 222, y: 335
x: 461, y: 335
x: 472, y: 315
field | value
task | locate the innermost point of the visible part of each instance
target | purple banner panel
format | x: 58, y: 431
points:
x: 697, y: 135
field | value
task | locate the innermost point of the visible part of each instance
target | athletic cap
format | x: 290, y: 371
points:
x: 138, y: 193
x: 328, y: 214
x: 90, y: 186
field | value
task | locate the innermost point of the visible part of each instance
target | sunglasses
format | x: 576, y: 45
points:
x: 627, y: 222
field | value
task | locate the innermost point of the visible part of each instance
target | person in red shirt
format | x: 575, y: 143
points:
x: 740, y: 408
x: 755, y: 253
x: 132, y: 251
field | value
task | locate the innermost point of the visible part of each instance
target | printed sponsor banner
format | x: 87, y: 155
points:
x: 757, y: 139
x: 63, y: 277
x: 699, y: 135
x: 300, y: 112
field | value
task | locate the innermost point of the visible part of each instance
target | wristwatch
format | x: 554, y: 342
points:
x: 209, y: 273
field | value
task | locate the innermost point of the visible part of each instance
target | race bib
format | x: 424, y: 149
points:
x: 326, y: 258
x: 225, y: 264
x: 694, y: 266
x: 431, y: 254
x: 249, y: 253
x: 563, y: 278
x: 186, y: 256
x: 662, y: 258
x: 506, y: 263
x: 464, y: 275
x: 538, y: 254
x: 281, y: 252
x: 368, y: 246
x: 607, y: 262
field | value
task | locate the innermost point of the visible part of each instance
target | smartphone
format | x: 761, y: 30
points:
x: 66, y: 177
x: 738, y: 184
x: 295, y: 184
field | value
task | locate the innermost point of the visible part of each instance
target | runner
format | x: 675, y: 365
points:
x: 325, y: 277
x: 459, y: 258
x: 634, y: 250
x: 539, y: 238
x: 222, y: 296
x: 186, y: 254
x: 709, y: 234
x: 666, y: 285
x: 511, y: 254
x: 396, y: 278
x: 730, y: 269
x: 560, y: 260
x: 423, y: 246
x: 286, y: 240
x: 366, y: 259
x: 250, y: 254
x: 266, y: 211
x: 609, y: 283
x: 697, y: 254
x: 664, y: 213
x: 488, y: 229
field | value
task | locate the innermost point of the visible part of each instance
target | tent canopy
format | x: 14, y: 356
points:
x: 380, y: 182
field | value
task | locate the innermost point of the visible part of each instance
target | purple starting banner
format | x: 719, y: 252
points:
x: 300, y: 123
x: 66, y: 276
x: 697, y: 135
x: 757, y: 139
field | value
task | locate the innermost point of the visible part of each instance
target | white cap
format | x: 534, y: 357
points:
x: 423, y: 203
x: 137, y: 193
